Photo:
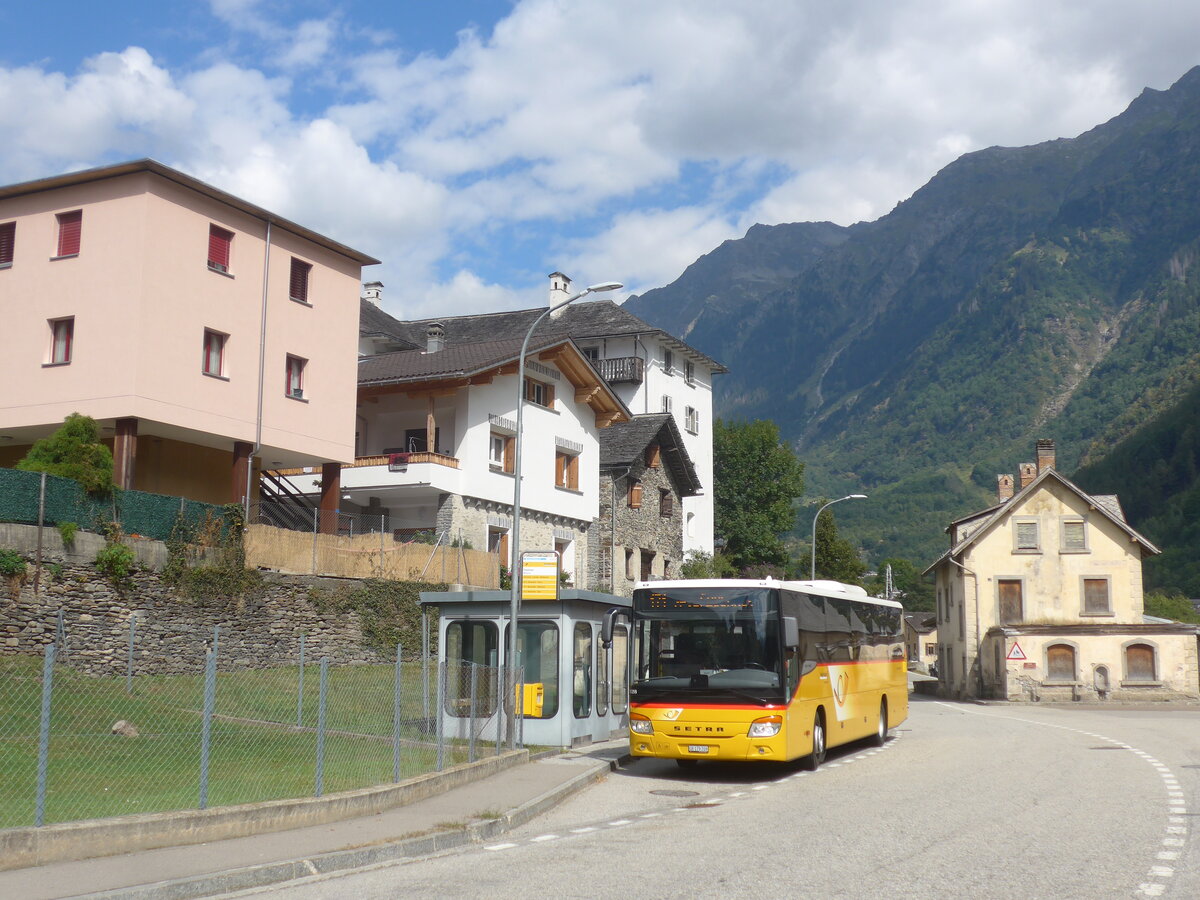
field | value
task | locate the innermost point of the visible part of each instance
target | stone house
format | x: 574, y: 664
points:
x: 1039, y: 597
x: 645, y: 474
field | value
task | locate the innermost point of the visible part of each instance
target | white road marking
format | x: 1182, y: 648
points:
x: 500, y: 847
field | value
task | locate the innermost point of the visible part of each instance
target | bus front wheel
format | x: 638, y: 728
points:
x: 813, y: 761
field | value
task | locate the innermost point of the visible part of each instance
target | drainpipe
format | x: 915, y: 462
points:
x: 262, y: 367
x: 612, y: 527
x: 978, y: 658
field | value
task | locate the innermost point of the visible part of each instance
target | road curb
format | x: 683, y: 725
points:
x: 343, y: 860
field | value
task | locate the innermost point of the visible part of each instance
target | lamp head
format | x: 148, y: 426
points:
x: 605, y: 286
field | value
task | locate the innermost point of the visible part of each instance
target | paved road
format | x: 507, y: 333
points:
x: 963, y: 801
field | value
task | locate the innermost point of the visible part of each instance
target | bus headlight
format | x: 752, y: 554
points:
x: 640, y: 724
x: 767, y: 726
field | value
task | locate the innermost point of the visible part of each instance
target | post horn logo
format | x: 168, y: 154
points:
x: 671, y: 714
x: 839, y: 687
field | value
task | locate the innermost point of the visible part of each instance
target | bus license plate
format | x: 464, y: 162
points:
x: 697, y: 748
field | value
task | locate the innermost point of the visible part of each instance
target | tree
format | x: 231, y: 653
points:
x: 74, y: 451
x: 757, y: 480
x: 1174, y: 606
x: 837, y: 558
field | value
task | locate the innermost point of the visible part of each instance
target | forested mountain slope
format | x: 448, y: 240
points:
x: 1044, y: 291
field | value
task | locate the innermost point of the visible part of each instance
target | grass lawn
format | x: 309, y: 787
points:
x: 256, y: 751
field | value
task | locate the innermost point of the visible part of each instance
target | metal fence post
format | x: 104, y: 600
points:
x: 499, y: 702
x: 300, y: 689
x: 425, y: 664
x: 381, y: 559
x: 129, y: 656
x: 210, y: 697
x: 321, y: 726
x: 471, y: 740
x: 44, y: 735
x: 316, y: 529
x: 438, y: 718
x: 396, y: 720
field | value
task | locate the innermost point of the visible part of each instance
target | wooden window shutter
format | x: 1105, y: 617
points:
x: 298, y: 284
x: 8, y: 238
x: 1073, y: 536
x: 560, y: 469
x: 1027, y: 535
x: 219, y: 241
x: 509, y: 453
x: 1060, y: 663
x: 70, y: 229
x: 1011, y: 604
x: 653, y: 456
x: 635, y: 495
x: 573, y: 473
x: 1139, y: 662
x: 1095, y: 595
x: 666, y: 503
x: 549, y: 395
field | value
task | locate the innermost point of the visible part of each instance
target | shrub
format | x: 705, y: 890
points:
x: 12, y: 564
x: 67, y: 530
x: 115, y: 559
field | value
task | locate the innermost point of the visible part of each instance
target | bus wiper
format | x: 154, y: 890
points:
x: 744, y: 695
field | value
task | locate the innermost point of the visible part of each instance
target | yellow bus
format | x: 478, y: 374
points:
x: 734, y: 669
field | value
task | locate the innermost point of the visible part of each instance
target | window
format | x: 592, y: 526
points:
x: 668, y: 364
x: 214, y: 353
x: 666, y: 403
x: 500, y: 452
x: 539, y: 392
x: 1140, y: 663
x: 8, y: 238
x: 469, y: 647
x: 1060, y: 662
x: 537, y: 654
x: 581, y: 680
x: 620, y: 669
x: 1097, y: 600
x: 566, y: 470
x: 603, y: 688
x: 1011, y: 605
x: 295, y: 377
x: 1026, y: 536
x: 1074, y: 536
x: 931, y: 649
x: 62, y: 340
x: 689, y: 372
x: 220, y: 242
x: 592, y: 353
x: 692, y: 419
x: 298, y: 284
x: 647, y: 564
x: 70, y: 228
x: 653, y: 456
x: 666, y: 503
x: 630, y: 564
x: 635, y: 495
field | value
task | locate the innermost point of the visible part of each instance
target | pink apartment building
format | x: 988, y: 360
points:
x: 207, y: 336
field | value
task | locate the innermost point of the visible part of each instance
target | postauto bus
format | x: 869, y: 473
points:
x: 761, y: 670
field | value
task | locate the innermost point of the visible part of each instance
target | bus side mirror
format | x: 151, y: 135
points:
x: 607, y: 627
x: 791, y: 632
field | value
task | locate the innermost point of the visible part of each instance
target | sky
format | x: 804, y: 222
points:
x: 475, y: 146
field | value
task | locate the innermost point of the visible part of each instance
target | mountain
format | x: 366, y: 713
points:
x: 1043, y: 291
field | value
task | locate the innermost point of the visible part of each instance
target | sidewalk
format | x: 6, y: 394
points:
x: 470, y: 813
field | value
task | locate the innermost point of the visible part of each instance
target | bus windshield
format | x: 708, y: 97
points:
x: 707, y: 640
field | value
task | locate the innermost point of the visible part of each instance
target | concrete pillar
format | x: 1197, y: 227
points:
x: 331, y: 496
x: 241, y: 470
x: 125, y: 453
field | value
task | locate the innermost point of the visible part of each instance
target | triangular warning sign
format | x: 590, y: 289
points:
x: 1016, y: 652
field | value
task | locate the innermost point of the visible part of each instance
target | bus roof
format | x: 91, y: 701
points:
x: 823, y: 588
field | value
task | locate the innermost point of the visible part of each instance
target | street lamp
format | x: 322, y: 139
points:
x: 514, y: 574
x: 813, y: 572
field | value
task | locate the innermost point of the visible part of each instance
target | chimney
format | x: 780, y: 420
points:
x: 435, y: 337
x: 1045, y: 455
x: 1004, y: 488
x: 373, y: 292
x: 1028, y: 473
x: 560, y: 290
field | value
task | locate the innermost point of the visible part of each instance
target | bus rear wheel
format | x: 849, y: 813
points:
x: 882, y: 729
x: 813, y: 761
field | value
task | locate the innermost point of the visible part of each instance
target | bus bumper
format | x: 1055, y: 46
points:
x: 739, y: 748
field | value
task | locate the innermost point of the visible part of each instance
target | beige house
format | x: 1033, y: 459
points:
x: 1040, y: 598
x: 920, y: 640
x: 203, y: 333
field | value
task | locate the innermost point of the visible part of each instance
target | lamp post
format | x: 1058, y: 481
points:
x: 515, y: 574
x: 813, y: 572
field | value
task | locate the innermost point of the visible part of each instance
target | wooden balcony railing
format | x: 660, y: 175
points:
x: 438, y: 459
x: 621, y: 369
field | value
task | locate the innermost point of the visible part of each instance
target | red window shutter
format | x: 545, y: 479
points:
x: 219, y: 241
x: 298, y: 290
x: 70, y: 227
x: 8, y: 238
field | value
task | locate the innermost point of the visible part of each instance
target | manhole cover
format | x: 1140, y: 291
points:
x: 676, y: 793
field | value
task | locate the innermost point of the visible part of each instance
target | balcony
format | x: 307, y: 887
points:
x: 621, y: 369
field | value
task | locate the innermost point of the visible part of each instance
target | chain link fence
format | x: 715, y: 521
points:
x: 76, y: 746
